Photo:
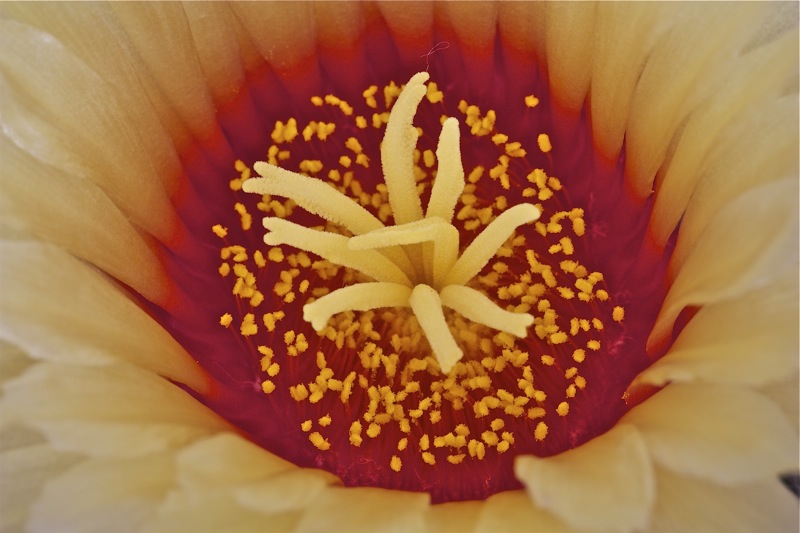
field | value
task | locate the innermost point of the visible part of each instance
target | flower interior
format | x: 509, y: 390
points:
x: 448, y: 275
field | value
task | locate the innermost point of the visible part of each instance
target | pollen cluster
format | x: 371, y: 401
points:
x: 445, y: 336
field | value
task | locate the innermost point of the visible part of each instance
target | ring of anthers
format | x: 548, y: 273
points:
x: 414, y: 263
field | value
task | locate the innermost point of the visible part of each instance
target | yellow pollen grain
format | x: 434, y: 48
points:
x: 455, y: 459
x: 562, y: 409
x: 248, y: 326
x: 548, y: 360
x: 579, y: 355
x: 580, y: 382
x: 402, y: 444
x: 536, y: 412
x: 325, y: 421
x: 373, y: 430
x: 267, y: 386
x: 618, y: 314
x: 298, y: 392
x: 601, y: 295
x: 319, y: 441
x: 306, y: 426
x: 220, y: 231
x: 543, y: 140
x: 273, y: 370
x: 429, y: 458
x: 531, y: 101
x: 540, y: 433
x: 396, y: 464
x: 275, y: 255
x: 593, y: 345
x: 558, y: 338
x: 224, y: 269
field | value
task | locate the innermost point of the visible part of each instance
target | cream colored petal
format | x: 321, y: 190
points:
x: 475, y: 28
x: 569, y: 33
x: 54, y: 206
x: 170, y: 60
x: 215, y: 512
x: 729, y: 435
x: 694, y: 506
x: 366, y: 510
x: 760, y: 148
x: 750, y: 242
x: 119, y: 495
x: 623, y: 37
x: 784, y: 394
x: 227, y: 459
x: 683, y: 69
x: 750, y: 340
x: 13, y: 362
x: 23, y: 472
x: 605, y: 484
x: 284, y: 32
x: 57, y: 308
x: 52, y: 396
x: 751, y: 82
x: 82, y: 128
x: 285, y: 492
x: 522, y: 26
x: 512, y: 511
x: 453, y: 517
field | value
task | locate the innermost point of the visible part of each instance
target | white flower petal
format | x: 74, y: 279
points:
x: 568, y: 44
x: 119, y: 495
x: 453, y: 517
x: 58, y: 308
x: 82, y: 128
x: 785, y: 394
x: 751, y: 340
x: 726, y: 434
x: 50, y: 396
x: 23, y: 472
x: 606, y: 483
x: 288, y: 491
x: 747, y: 244
x: 690, y: 505
x: 366, y: 510
x: 683, y: 69
x: 750, y: 85
x: 740, y: 161
x: 84, y: 221
x: 507, y: 510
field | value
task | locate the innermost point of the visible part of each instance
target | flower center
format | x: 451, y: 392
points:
x: 419, y: 348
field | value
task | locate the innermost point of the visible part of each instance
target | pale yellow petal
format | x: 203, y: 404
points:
x: 512, y: 510
x: 453, y: 517
x: 82, y: 128
x: 690, y: 505
x: 365, y: 510
x: 623, y: 37
x: 288, y: 491
x: 683, y: 69
x: 50, y: 396
x: 750, y: 340
x: 23, y: 472
x: 569, y: 35
x: 751, y: 241
x: 760, y: 148
x: 785, y: 394
x: 729, y: 435
x: 750, y: 82
x: 606, y: 483
x: 56, y: 307
x: 55, y: 206
x: 411, y: 26
x: 119, y: 495
x: 522, y: 27
x: 227, y: 459
x: 475, y: 27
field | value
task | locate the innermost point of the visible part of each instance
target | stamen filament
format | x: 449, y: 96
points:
x: 475, y: 306
x: 359, y: 297
x: 334, y: 248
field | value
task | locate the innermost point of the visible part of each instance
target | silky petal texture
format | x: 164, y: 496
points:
x: 507, y: 510
x: 750, y: 84
x: 74, y: 314
x: 25, y: 471
x: 740, y: 162
x: 411, y: 26
x: 119, y: 495
x: 729, y: 435
x: 605, y: 484
x: 453, y: 517
x: 84, y: 221
x: 365, y: 510
x: 522, y: 26
x: 569, y: 34
x: 750, y: 340
x: 693, y: 506
x: 82, y: 128
x: 62, y: 402
x: 728, y: 262
x: 785, y: 394
x: 684, y: 68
